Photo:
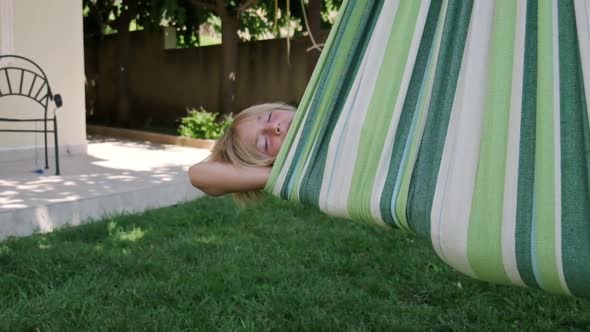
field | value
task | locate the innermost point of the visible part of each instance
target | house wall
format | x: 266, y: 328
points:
x: 51, y: 34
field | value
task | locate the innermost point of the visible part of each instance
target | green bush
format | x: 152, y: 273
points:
x: 202, y: 124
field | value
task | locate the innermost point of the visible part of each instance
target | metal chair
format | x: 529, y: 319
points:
x: 20, y: 76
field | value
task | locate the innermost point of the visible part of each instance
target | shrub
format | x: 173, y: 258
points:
x: 202, y: 124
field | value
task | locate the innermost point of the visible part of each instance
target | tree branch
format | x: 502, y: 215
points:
x: 205, y: 4
x: 248, y: 4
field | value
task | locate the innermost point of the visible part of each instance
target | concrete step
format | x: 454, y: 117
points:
x: 116, y: 176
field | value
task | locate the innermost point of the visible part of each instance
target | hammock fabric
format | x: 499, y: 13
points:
x: 465, y: 122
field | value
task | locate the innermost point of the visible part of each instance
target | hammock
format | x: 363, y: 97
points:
x: 465, y: 122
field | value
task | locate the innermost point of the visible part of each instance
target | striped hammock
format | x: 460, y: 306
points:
x: 465, y: 122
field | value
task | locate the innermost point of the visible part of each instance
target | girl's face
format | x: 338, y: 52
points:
x: 266, y: 132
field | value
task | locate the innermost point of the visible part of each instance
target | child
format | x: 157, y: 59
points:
x: 241, y: 161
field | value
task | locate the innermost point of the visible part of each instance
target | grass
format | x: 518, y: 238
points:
x: 207, y: 265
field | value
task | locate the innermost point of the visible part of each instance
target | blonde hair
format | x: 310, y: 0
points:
x: 231, y: 147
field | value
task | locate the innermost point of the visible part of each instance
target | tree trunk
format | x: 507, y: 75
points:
x: 123, y: 43
x: 314, y: 18
x: 229, y: 49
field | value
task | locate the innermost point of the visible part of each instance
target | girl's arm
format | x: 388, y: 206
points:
x: 218, y: 178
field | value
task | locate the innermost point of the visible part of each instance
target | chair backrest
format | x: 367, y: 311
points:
x: 20, y: 76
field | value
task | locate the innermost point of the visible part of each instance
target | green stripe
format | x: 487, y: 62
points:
x: 305, y: 100
x: 425, y: 172
x: 575, y: 166
x: 544, y: 246
x: 311, y: 126
x: 526, y: 163
x: 484, y: 238
x: 334, y: 102
x: 408, y: 110
x: 329, y: 86
x: 418, y: 124
x: 378, y: 118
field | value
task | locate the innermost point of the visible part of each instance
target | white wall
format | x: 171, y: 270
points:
x: 51, y: 34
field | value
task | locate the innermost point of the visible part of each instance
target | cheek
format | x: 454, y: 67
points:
x: 276, y: 146
x: 287, y: 117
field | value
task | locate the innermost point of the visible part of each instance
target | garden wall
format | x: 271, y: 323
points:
x: 165, y: 82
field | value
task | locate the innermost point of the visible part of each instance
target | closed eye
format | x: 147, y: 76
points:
x: 266, y: 144
x: 269, y: 115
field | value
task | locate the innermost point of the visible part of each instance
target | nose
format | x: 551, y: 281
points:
x: 274, y: 128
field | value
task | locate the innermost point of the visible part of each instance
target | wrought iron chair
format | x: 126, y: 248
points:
x: 20, y: 76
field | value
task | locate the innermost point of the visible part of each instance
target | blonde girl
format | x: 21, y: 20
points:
x: 241, y: 161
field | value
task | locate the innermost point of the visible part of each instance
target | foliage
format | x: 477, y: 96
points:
x: 203, y: 124
x: 259, y: 22
x: 209, y: 33
x: 267, y: 22
x: 246, y: 19
x: 264, y: 19
x: 330, y: 11
x: 101, y: 16
x: 279, y: 266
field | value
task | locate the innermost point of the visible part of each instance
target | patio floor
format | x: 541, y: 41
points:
x: 116, y: 176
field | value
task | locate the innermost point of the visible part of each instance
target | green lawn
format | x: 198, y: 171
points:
x: 207, y: 265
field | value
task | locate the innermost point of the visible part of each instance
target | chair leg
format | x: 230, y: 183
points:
x: 45, y: 133
x: 56, y: 146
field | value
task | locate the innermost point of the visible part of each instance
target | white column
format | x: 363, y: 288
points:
x: 6, y: 27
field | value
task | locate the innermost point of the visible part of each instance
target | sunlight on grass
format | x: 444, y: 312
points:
x: 42, y: 244
x: 211, y: 239
x: 117, y: 233
x: 132, y: 236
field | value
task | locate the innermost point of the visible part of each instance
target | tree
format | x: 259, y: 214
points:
x: 117, y: 15
x: 230, y: 12
x: 243, y: 15
x: 188, y: 15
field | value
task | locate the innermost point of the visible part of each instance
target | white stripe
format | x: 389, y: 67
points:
x: 513, y: 151
x: 384, y: 162
x: 557, y: 149
x: 457, y: 173
x: 343, y: 146
x: 582, y: 8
